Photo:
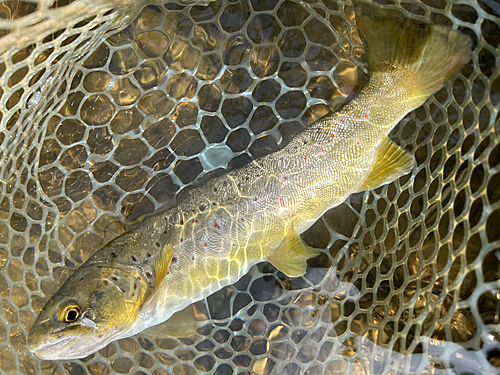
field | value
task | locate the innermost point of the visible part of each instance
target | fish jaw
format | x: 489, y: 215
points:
x: 67, y: 345
x: 61, y: 348
x: 58, y: 345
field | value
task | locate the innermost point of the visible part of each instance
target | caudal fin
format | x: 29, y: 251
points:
x: 429, y: 52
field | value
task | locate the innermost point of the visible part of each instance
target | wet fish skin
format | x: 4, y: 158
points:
x: 256, y: 213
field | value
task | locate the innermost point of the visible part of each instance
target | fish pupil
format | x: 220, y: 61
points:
x: 72, y: 314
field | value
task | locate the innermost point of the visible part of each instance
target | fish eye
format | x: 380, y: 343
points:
x: 70, y: 313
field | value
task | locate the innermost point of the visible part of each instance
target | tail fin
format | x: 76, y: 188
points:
x: 432, y: 53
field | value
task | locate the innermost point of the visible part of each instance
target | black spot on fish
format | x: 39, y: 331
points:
x: 174, y: 260
x: 164, y: 232
x: 157, y: 244
x: 181, y: 222
x: 114, y: 278
x: 215, y: 190
x: 81, y: 279
x: 113, y: 254
x: 148, y: 255
x: 214, y: 203
x: 135, y: 286
x: 148, y: 275
x: 98, y: 296
x: 134, y: 259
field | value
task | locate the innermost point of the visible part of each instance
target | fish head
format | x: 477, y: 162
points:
x: 95, y: 306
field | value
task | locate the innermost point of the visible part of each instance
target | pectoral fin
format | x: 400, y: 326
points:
x: 292, y: 254
x: 162, y: 262
x: 182, y: 324
x: 391, y: 162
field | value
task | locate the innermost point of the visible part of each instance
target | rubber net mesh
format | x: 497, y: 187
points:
x: 109, y: 108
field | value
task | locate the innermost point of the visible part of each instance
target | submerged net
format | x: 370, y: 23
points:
x: 109, y: 108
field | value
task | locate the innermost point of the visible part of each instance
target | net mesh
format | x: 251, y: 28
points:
x: 110, y: 108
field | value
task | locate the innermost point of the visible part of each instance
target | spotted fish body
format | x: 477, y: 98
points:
x: 254, y: 214
x: 239, y: 219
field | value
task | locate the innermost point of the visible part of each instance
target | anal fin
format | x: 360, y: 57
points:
x: 292, y: 254
x: 180, y: 325
x: 162, y: 262
x: 391, y: 162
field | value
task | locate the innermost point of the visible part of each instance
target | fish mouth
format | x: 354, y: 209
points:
x: 68, y: 346
x: 51, y: 350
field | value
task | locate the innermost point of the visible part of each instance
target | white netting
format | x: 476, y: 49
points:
x: 189, y: 88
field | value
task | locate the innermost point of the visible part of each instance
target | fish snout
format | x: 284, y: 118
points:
x: 36, y: 335
x: 47, y: 344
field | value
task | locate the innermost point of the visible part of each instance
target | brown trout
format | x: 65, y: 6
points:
x: 257, y: 213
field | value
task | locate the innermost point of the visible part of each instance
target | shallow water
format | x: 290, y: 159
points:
x: 409, y: 279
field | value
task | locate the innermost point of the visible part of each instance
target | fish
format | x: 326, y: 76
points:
x: 147, y: 279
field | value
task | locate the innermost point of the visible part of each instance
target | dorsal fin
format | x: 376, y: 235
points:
x: 162, y: 262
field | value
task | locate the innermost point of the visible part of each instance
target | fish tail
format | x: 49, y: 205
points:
x: 428, y: 54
